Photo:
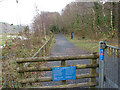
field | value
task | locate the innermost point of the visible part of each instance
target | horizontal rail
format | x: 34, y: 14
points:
x: 57, y: 58
x: 26, y: 64
x: 42, y: 47
x: 47, y: 79
x: 45, y: 68
x: 72, y: 85
x: 113, y: 47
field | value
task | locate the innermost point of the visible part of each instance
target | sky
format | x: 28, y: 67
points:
x: 24, y: 11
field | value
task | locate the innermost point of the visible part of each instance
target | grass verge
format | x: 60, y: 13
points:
x: 88, y: 44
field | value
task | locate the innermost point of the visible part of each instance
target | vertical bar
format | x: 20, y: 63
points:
x: 104, y: 67
x: 109, y: 51
x: 63, y: 65
x: 92, y: 71
x: 114, y: 53
x: 118, y: 53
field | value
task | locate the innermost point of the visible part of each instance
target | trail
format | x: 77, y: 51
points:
x: 63, y: 47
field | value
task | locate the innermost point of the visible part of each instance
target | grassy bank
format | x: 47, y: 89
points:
x: 84, y: 44
x: 88, y: 44
x: 18, y: 49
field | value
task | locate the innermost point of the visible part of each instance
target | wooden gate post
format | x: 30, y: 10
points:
x: 21, y: 75
x: 63, y: 65
x: 93, y: 71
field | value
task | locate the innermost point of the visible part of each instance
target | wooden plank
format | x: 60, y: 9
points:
x: 45, y: 68
x: 56, y: 58
x: 71, y: 85
x: 47, y: 79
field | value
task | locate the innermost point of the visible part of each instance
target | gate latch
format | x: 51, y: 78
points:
x: 103, y: 45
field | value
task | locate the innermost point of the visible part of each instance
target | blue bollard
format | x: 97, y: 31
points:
x: 71, y: 35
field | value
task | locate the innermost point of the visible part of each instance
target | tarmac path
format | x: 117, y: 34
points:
x: 63, y: 47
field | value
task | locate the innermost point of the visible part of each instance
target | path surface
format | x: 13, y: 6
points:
x: 63, y: 47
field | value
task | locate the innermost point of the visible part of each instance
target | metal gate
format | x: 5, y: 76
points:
x: 108, y: 70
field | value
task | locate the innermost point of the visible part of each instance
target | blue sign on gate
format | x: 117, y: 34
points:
x: 101, y: 54
x: 63, y: 73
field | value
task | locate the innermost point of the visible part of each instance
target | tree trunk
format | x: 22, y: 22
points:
x: 118, y: 24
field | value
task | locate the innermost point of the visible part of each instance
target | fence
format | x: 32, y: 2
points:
x: 92, y: 74
x: 109, y: 67
x: 44, y: 50
x: 112, y: 55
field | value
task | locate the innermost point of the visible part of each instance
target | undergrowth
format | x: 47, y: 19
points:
x: 18, y: 49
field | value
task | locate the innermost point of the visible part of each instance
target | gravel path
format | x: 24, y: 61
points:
x: 63, y: 47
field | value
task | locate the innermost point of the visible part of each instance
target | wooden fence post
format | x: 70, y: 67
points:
x: 45, y: 50
x: 93, y: 71
x: 63, y: 65
x: 21, y: 75
x: 48, y: 47
x: 42, y: 52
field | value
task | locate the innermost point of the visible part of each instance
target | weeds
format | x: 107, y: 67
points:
x: 17, y: 49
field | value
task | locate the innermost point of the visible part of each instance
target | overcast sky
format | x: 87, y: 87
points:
x: 24, y: 11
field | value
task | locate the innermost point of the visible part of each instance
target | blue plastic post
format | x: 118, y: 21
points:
x: 71, y: 35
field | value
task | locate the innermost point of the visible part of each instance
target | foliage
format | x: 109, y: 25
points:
x: 18, y: 48
x: 90, y: 20
x: 55, y: 29
x: 46, y: 21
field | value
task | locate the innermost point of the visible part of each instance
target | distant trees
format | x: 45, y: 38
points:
x: 45, y: 22
x: 77, y: 17
x: 118, y: 25
x: 84, y: 18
